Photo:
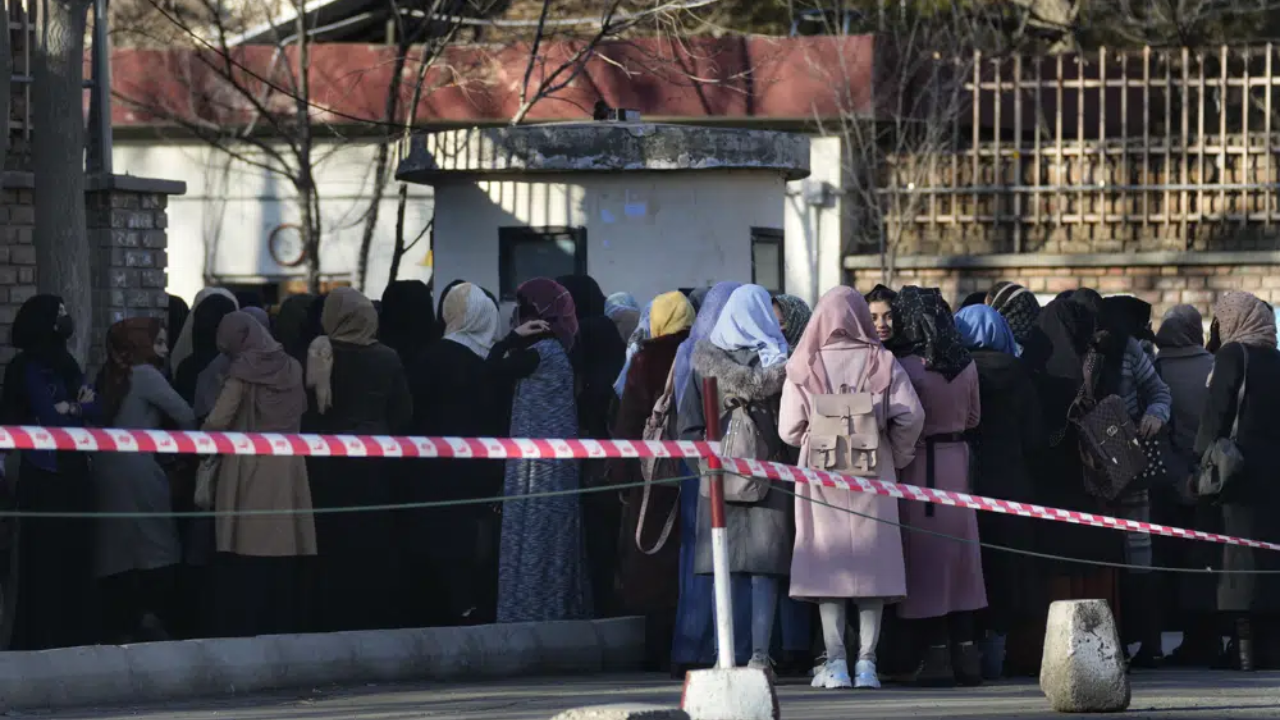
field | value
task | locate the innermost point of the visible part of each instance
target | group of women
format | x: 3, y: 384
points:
x: 979, y: 401
x: 982, y: 401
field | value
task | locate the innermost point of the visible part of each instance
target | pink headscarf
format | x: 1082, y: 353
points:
x: 545, y: 299
x: 841, y: 315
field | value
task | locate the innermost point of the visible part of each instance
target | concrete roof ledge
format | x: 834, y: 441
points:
x: 605, y: 147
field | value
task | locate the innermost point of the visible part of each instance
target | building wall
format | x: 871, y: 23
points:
x: 127, y: 225
x: 219, y: 229
x: 647, y: 233
x: 815, y: 233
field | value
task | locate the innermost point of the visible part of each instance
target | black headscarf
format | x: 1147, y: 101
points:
x: 178, y: 312
x: 977, y: 298
x: 35, y: 334
x: 204, y: 343
x: 408, y: 321
x: 598, y: 355
x: 1128, y: 316
x: 924, y: 326
x: 291, y: 325
x: 1068, y: 326
x: 1088, y: 297
x: 588, y: 298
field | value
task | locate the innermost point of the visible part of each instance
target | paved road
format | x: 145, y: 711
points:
x: 1180, y: 695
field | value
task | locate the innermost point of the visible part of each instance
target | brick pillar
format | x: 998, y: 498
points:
x: 127, y: 224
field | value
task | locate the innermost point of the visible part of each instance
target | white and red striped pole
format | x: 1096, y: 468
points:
x: 719, y: 541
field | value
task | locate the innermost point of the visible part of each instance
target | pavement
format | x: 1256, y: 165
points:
x: 1166, y: 694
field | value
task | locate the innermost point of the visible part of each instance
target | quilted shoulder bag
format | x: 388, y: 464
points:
x: 1223, y: 462
x: 1112, y: 454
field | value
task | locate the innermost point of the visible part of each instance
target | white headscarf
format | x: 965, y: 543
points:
x: 183, y: 348
x: 471, y: 318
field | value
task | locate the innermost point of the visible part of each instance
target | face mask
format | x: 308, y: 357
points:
x: 65, y: 327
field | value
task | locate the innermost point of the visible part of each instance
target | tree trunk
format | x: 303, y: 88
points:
x: 381, y: 164
x: 6, y: 71
x: 399, y: 250
x: 61, y: 239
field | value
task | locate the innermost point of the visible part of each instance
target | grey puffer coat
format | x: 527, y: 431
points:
x: 760, y: 535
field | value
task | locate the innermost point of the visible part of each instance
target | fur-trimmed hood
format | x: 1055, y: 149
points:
x: 749, y: 382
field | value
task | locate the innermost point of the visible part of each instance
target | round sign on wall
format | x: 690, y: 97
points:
x: 286, y: 246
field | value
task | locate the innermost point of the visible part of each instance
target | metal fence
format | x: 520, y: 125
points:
x: 1147, y: 149
x: 24, y: 24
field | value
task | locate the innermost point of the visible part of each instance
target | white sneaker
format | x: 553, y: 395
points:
x: 760, y: 662
x: 865, y: 677
x: 833, y: 675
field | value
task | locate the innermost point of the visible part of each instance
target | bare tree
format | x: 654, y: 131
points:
x: 252, y: 102
x: 61, y: 240
x: 426, y: 35
x: 897, y: 141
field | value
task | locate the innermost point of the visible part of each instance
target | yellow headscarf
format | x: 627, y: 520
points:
x: 671, y: 313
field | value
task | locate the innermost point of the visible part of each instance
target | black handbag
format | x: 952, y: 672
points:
x: 1112, y: 454
x: 1223, y: 461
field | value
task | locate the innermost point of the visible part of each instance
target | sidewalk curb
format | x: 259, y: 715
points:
x: 125, y: 674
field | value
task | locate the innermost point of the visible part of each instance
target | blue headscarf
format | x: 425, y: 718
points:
x: 618, y: 302
x: 748, y: 323
x: 633, y: 346
x: 712, y: 304
x: 983, y: 328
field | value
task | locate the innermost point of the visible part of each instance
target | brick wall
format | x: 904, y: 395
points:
x: 127, y: 222
x: 1162, y: 286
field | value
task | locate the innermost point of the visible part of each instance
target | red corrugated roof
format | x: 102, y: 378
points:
x: 724, y: 78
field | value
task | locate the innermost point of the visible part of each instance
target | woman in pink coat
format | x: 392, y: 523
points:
x: 944, y: 574
x: 839, y: 555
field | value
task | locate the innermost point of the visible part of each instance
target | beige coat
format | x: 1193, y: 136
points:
x: 259, y: 483
x: 839, y: 554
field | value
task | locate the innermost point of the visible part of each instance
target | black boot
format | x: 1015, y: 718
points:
x: 966, y: 658
x: 936, y: 669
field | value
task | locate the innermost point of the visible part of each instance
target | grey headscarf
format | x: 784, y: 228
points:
x: 1182, y: 327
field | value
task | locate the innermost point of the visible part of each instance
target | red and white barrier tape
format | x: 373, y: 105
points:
x: 806, y: 476
x: 25, y: 437
x: 208, y: 443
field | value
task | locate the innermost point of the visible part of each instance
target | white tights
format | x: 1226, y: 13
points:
x: 833, y: 614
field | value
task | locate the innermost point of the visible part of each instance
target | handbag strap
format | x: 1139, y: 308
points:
x: 1244, y: 382
x: 667, y: 392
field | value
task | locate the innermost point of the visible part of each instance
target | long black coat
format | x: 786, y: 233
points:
x: 1008, y: 437
x: 357, y: 564
x: 452, y: 551
x: 1249, y: 507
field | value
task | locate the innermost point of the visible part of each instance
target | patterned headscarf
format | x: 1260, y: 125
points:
x: 982, y: 328
x: 547, y: 300
x: 1018, y: 306
x: 1243, y: 318
x: 795, y: 317
x: 923, y: 326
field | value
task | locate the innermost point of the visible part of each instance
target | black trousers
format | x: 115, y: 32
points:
x: 128, y: 596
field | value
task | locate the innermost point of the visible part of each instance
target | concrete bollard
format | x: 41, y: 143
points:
x: 732, y: 694
x: 1083, y: 667
x: 623, y: 712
